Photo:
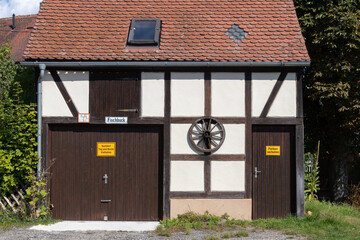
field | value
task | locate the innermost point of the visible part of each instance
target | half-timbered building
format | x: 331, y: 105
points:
x: 149, y: 109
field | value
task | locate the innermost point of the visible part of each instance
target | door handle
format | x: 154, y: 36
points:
x: 256, y: 172
x: 105, y: 201
x: 105, y: 177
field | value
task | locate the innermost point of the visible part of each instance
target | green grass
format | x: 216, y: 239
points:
x: 327, y: 221
x: 17, y: 220
x: 213, y: 238
x: 226, y: 235
x: 241, y: 234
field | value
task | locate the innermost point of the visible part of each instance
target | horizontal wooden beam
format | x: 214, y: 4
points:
x: 210, y: 195
x: 159, y: 120
x: 93, y: 120
x: 224, y: 120
x: 213, y: 157
x: 277, y: 121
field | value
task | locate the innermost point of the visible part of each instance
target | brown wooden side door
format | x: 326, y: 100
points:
x: 77, y: 185
x: 273, y: 171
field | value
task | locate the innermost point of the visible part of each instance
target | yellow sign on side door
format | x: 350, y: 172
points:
x: 272, y: 150
x: 106, y: 149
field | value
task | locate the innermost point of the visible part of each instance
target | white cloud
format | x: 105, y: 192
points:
x: 19, y: 7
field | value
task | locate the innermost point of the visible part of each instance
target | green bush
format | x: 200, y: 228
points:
x: 18, y: 128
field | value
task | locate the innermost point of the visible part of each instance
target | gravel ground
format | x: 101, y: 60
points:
x: 25, y: 233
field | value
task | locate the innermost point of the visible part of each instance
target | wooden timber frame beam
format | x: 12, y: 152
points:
x: 207, y: 110
x: 299, y: 150
x: 248, y: 135
x: 166, y: 157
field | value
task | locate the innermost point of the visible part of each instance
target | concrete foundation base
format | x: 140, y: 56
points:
x: 236, y: 208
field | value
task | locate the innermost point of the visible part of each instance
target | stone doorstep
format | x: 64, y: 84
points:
x: 84, y: 226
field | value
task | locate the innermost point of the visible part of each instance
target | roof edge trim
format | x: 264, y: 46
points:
x: 166, y: 64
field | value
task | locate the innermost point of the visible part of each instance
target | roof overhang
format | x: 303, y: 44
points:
x: 96, y: 64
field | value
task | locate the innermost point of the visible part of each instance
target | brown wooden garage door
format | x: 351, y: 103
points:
x: 85, y: 186
x: 274, y: 183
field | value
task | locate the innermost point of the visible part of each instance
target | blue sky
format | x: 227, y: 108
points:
x: 19, y: 7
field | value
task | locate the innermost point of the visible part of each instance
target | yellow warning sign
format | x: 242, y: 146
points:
x: 272, y: 150
x: 106, y: 149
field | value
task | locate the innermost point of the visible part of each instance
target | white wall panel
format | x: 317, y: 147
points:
x: 53, y: 103
x: 227, y: 175
x: 262, y: 85
x: 284, y: 104
x: 77, y: 85
x: 227, y: 94
x: 179, y: 143
x: 187, y: 94
x: 234, y: 142
x: 186, y: 176
x: 152, y: 94
x: 234, y: 139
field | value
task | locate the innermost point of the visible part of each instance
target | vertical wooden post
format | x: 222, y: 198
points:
x: 207, y: 161
x: 300, y: 195
x: 166, y: 173
x: 248, y: 136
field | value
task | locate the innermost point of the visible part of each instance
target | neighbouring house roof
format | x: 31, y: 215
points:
x: 19, y: 36
x: 191, y: 30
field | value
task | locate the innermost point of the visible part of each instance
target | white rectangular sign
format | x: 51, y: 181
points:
x: 116, y: 120
x: 83, y: 118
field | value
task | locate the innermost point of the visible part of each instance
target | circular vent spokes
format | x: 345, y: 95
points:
x: 207, y: 134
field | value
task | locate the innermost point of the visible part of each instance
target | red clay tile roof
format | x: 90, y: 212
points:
x: 192, y: 30
x: 19, y: 37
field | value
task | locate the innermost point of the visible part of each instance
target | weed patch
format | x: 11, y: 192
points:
x: 19, y: 220
x: 226, y: 235
x: 327, y: 221
x: 241, y: 234
x: 212, y: 238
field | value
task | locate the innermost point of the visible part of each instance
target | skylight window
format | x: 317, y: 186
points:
x: 144, y: 32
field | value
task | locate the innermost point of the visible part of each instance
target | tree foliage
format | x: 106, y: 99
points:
x: 332, y: 83
x: 18, y: 128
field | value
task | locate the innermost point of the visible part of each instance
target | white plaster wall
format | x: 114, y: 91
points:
x: 53, y: 104
x: 187, y: 94
x: 227, y: 175
x: 186, y: 176
x: 234, y: 139
x: 152, y: 94
x: 284, y: 104
x: 262, y: 85
x: 227, y: 94
x: 77, y: 85
x: 179, y: 139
